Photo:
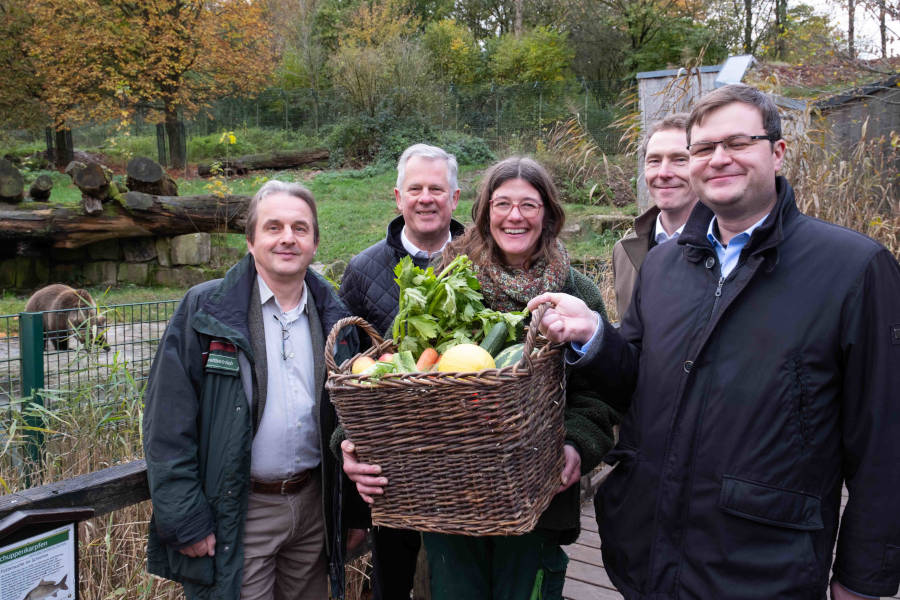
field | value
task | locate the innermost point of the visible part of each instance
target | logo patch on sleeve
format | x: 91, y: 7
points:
x: 895, y: 334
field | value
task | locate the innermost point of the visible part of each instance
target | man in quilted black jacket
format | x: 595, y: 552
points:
x: 427, y: 194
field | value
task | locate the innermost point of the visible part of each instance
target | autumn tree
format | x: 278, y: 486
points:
x: 541, y: 55
x: 110, y: 57
x: 380, y: 62
x: 455, y: 56
x: 304, y: 54
x: 20, y: 93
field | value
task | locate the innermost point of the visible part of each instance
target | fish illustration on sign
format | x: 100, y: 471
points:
x: 46, y: 589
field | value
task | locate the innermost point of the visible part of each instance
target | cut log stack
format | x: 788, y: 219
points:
x: 257, y: 162
x: 12, y: 184
x: 96, y: 187
x: 41, y: 188
x: 146, y: 175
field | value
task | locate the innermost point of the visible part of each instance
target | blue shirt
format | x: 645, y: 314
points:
x: 728, y: 255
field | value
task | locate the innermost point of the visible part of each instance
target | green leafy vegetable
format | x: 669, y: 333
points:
x: 445, y: 309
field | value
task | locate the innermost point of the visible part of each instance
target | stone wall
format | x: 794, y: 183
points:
x: 179, y: 261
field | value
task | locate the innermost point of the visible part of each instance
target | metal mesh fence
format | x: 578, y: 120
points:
x: 503, y: 115
x: 10, y: 377
x: 83, y: 349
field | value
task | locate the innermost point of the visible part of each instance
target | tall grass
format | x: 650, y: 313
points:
x: 584, y: 172
x: 85, y: 430
x: 857, y: 187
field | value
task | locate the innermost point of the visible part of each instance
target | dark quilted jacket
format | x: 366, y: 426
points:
x: 368, y: 287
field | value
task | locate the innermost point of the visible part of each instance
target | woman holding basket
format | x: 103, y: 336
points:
x: 517, y: 255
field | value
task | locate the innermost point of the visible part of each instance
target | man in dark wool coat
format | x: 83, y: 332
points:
x: 427, y: 193
x: 761, y: 353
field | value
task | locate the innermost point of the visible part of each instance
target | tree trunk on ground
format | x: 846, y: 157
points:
x: 131, y: 215
x: 40, y: 189
x: 276, y: 160
x: 146, y: 175
x: 94, y: 182
x: 12, y: 185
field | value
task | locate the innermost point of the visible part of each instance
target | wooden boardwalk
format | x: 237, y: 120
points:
x: 586, y: 578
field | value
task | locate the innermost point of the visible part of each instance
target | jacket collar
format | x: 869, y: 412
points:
x: 767, y: 236
x: 644, y: 223
x: 396, y: 226
x: 224, y: 313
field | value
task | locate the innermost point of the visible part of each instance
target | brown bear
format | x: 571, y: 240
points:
x: 68, y: 311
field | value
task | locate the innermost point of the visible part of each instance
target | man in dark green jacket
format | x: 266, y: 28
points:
x: 237, y: 419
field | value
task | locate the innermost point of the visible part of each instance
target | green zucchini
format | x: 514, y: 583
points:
x: 494, y: 340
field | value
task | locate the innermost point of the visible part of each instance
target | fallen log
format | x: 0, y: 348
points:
x: 12, y: 184
x: 257, y: 162
x: 134, y: 214
x: 40, y: 189
x: 146, y: 175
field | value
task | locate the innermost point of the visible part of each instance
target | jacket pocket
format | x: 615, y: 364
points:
x: 200, y: 570
x: 767, y: 529
x: 770, y: 505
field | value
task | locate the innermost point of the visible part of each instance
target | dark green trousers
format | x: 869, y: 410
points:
x: 526, y: 567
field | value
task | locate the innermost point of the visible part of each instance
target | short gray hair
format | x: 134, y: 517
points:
x: 274, y: 186
x: 431, y: 153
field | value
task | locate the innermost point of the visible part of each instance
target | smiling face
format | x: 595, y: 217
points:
x: 667, y: 171
x: 740, y: 185
x: 515, y: 234
x: 284, y: 240
x: 426, y: 202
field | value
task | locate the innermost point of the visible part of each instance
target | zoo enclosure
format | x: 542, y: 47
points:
x: 31, y: 366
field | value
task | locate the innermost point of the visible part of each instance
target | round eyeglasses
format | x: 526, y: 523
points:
x: 527, y: 208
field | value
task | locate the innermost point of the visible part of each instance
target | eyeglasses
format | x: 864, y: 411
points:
x: 527, y: 208
x: 285, y: 334
x: 731, y: 145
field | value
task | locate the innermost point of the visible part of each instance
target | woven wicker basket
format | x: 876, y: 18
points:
x: 464, y: 453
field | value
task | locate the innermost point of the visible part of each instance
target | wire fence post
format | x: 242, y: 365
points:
x: 31, y: 335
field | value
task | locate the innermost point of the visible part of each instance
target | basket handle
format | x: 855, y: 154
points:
x: 336, y: 330
x: 531, y: 336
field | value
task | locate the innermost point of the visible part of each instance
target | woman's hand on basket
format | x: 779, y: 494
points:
x: 366, y: 477
x: 569, y: 319
x: 572, y: 470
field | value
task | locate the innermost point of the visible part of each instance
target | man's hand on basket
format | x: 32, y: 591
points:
x: 365, y: 476
x: 569, y: 320
x: 572, y: 470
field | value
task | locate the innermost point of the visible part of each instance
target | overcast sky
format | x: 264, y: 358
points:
x: 868, y: 40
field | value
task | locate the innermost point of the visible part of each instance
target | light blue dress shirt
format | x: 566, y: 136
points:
x: 287, y: 441
x: 728, y: 255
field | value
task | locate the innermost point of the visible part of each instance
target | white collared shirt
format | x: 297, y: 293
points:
x: 417, y: 252
x: 287, y: 441
x: 661, y: 236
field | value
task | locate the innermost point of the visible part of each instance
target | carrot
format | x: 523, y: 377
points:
x: 427, y: 359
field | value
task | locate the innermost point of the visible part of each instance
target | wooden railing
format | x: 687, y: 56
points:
x: 105, y: 491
